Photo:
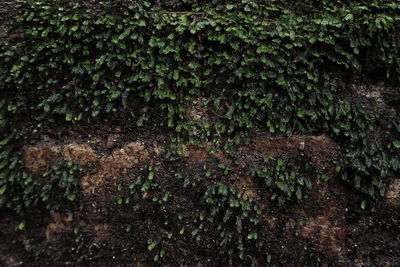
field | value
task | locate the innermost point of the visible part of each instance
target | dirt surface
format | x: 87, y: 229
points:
x: 325, y: 228
x: 7, y: 13
x: 328, y: 227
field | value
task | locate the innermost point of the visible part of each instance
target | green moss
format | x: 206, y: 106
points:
x: 280, y: 68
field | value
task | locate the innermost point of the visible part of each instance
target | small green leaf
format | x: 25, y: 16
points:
x: 223, y: 190
x: 299, y: 194
x: 396, y: 143
x: 363, y: 204
x: 152, y: 245
x: 151, y: 175
x: 3, y: 190
x: 96, y: 78
x: 21, y: 226
x: 75, y: 28
x: 71, y: 197
x: 68, y: 116
x: 195, y: 232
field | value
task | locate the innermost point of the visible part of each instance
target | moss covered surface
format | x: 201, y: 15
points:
x: 191, y: 132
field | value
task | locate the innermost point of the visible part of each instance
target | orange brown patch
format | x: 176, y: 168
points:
x: 102, y: 231
x: 114, y: 165
x: 37, y: 159
x: 58, y: 226
x: 329, y: 238
x: 81, y: 154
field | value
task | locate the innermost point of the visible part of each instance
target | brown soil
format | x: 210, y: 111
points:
x: 81, y: 154
x: 393, y: 194
x: 330, y: 227
x: 7, y: 13
x: 58, y: 226
x: 37, y: 159
x: 115, y: 165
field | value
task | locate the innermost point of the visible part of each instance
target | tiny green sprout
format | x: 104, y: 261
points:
x: 162, y: 253
x: 221, y: 166
x: 151, y: 244
x: 252, y: 236
x: 21, y: 226
x: 71, y: 197
x: 338, y: 168
x: 223, y: 189
x: 138, y: 180
x: 142, y: 119
x: 226, y: 171
x: 165, y: 197
x: 182, y: 231
x: 195, y: 232
x: 363, y: 204
x: 156, y: 257
x: 151, y: 175
x: 269, y: 258
x: 145, y: 186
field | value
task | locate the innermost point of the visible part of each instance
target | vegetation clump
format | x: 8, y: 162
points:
x: 280, y: 68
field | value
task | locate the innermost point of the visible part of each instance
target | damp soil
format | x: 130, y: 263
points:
x: 7, y: 14
x: 327, y: 228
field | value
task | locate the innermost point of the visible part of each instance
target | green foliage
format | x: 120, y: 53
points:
x: 82, y: 66
x: 369, y: 166
x: 269, y: 65
x: 276, y: 66
x: 135, y: 190
x: 290, y: 177
x: 156, y: 247
x: 63, y: 176
x: 51, y: 189
x: 226, y: 208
